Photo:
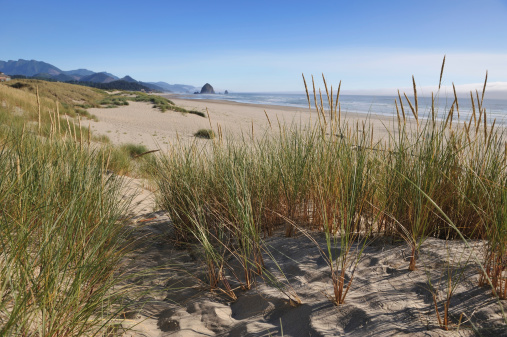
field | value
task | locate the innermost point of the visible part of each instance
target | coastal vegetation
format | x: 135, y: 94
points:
x: 75, y: 99
x: 205, y: 133
x: 434, y: 175
x: 63, y: 237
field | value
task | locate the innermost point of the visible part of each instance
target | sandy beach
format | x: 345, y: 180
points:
x: 140, y: 123
x: 385, y: 299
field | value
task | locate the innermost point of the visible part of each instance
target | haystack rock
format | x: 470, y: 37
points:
x: 207, y: 89
x: 226, y: 92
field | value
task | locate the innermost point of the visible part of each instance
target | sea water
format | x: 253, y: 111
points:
x: 366, y: 104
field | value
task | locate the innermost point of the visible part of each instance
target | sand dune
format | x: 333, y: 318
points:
x: 139, y: 123
x: 385, y: 298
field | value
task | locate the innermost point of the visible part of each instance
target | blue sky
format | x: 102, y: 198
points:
x: 264, y: 45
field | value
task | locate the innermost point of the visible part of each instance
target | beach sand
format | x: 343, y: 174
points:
x: 140, y: 123
x: 385, y: 298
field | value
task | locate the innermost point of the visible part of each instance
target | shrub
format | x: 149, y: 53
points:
x: 133, y: 150
x: 205, y: 133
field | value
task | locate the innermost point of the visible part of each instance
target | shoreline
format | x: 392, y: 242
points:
x: 140, y: 123
x: 178, y: 97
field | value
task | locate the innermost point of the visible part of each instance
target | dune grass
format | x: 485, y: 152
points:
x: 205, y: 133
x: 435, y: 175
x: 62, y: 238
x: 61, y: 243
x: 333, y: 177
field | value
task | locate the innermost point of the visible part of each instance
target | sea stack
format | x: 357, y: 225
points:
x: 226, y: 92
x: 207, y: 89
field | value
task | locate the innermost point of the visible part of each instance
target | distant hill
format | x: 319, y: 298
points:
x: 45, y: 71
x: 110, y: 75
x: 153, y: 86
x: 28, y: 68
x: 177, y: 88
x: 63, y: 78
x: 98, y: 78
x: 128, y: 79
x: 114, y: 85
x: 79, y: 72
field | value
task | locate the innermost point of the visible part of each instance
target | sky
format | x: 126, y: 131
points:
x: 265, y: 46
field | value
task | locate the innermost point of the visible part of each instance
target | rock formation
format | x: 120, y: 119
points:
x: 226, y: 92
x: 207, y: 89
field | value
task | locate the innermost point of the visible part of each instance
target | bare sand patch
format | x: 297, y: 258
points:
x: 140, y: 123
x: 386, y: 299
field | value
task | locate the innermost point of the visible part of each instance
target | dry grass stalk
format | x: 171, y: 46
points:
x: 23, y: 132
x: 307, y: 94
x: 467, y: 130
x: 315, y: 96
x: 322, y: 108
x: 485, y: 125
x: 339, y: 114
x: 490, y: 134
x: 55, y: 118
x: 322, y: 127
x: 415, y: 97
x: 58, y: 114
x: 38, y: 109
x: 331, y: 110
x: 441, y: 73
x: 402, y: 109
x: 80, y: 133
x: 412, y: 108
x: 337, y: 96
x: 267, y: 117
x: 451, y: 113
x: 75, y: 132
x: 329, y: 99
x: 220, y: 135
x: 18, y: 168
x: 473, y: 107
x: 209, y: 119
x: 480, y: 113
x: 455, y: 98
x: 484, y: 87
x: 51, y: 129
x: 397, y: 113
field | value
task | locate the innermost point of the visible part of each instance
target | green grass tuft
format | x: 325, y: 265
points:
x: 205, y: 133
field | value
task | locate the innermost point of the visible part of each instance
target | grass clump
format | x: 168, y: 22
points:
x: 434, y: 175
x: 205, y: 133
x: 192, y: 112
x: 159, y: 102
x: 163, y: 104
x: 50, y: 106
x: 61, y: 243
x: 114, y: 101
x: 134, y: 150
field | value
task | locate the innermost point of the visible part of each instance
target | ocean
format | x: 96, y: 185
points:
x: 382, y: 105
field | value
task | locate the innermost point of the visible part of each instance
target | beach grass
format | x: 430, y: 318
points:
x: 61, y: 242
x: 433, y: 175
x: 335, y: 177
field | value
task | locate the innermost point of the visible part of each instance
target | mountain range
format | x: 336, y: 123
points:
x: 46, y: 71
